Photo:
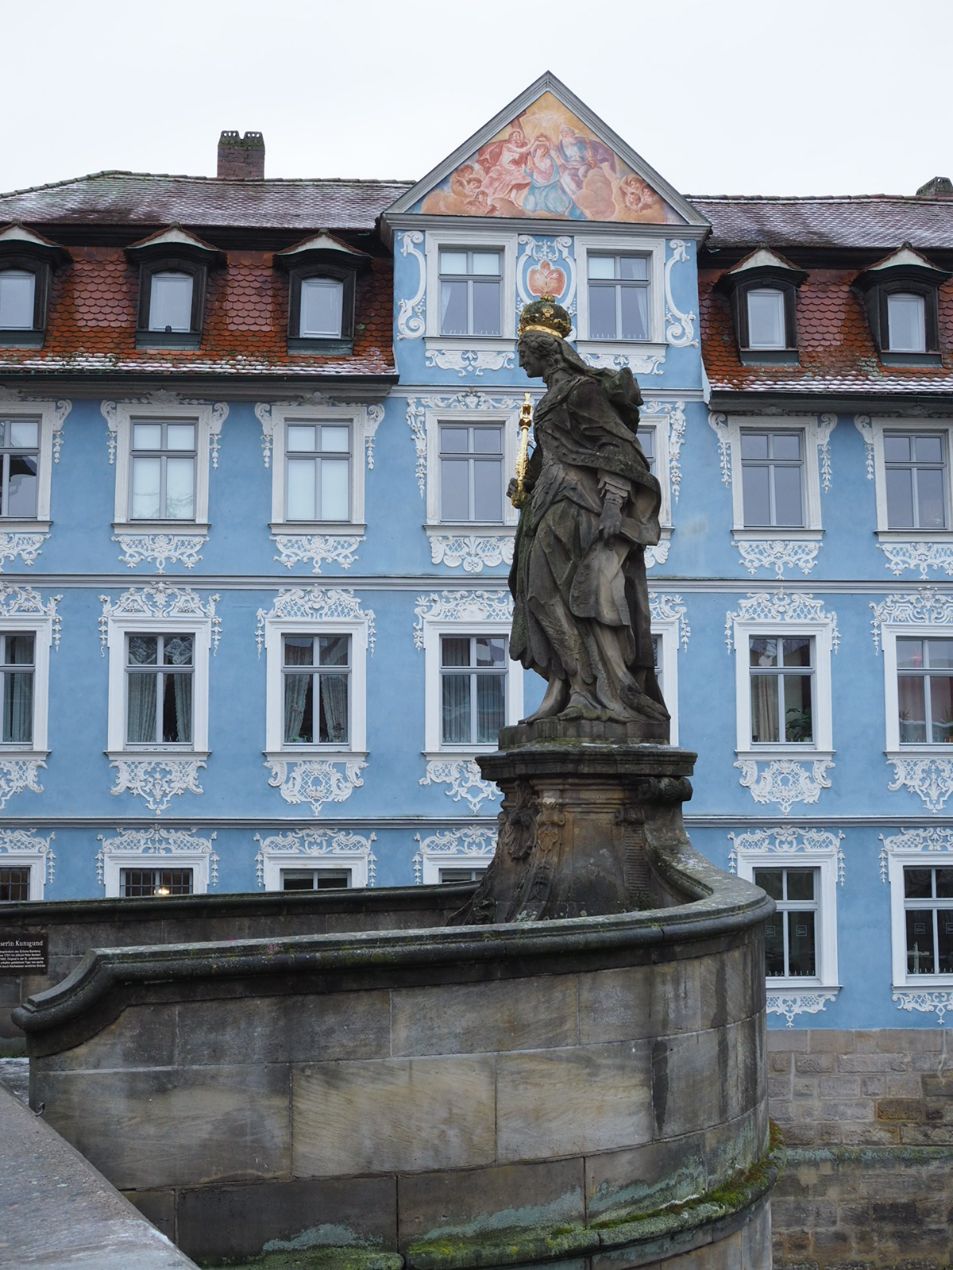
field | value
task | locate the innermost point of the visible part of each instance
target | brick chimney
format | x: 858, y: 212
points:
x: 937, y: 187
x: 241, y: 158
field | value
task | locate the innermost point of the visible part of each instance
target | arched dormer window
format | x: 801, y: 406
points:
x: 26, y: 263
x: 173, y: 275
x: 900, y: 295
x: 763, y: 292
x: 322, y: 274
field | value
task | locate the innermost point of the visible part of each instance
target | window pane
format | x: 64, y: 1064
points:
x: 454, y: 651
x: 180, y: 436
x: 647, y: 442
x: 141, y: 708
x: 333, y: 649
x: 453, y: 308
x: 18, y: 706
x: 899, y: 482
x: 454, y: 489
x: 487, y: 489
x: 897, y: 447
x: 455, y: 709
x: 931, y: 503
x: 771, y: 882
x: 602, y: 324
x: 910, y: 653
x: 940, y: 653
x: 766, y: 319
x: 18, y: 650
x: 146, y: 489
x: 798, y: 723
x: 754, y: 445
x: 300, y: 495
x: 912, y: 708
x: 460, y: 875
x: 486, y: 308
x: 299, y: 709
x: 298, y: 650
x: 785, y: 445
x: 23, y: 432
x: 756, y: 494
x: 485, y: 262
x: 332, y: 879
x: 17, y: 294
x: 941, y: 708
x: 335, y: 489
x: 22, y: 486
x: 928, y: 448
x: 905, y: 323
x: 763, y: 651
x: 336, y: 439
x: 917, y: 884
x: 489, y: 707
x: 944, y: 883
x: 797, y: 650
x: 180, y: 489
x: 601, y: 266
x: 488, y: 440
x: 787, y: 496
x: 635, y: 313
x: 633, y: 267
x: 490, y: 652
x: 301, y: 437
x: 298, y: 880
x: 143, y: 650
x: 14, y: 884
x: 920, y: 951
x: 944, y: 921
x: 774, y: 946
x: 170, y: 302
x: 147, y: 436
x: 334, y: 711
x: 801, y: 954
x: 764, y: 708
x: 453, y: 262
x: 177, y: 708
x: 321, y: 307
x: 453, y: 440
x: 801, y: 884
x: 177, y: 650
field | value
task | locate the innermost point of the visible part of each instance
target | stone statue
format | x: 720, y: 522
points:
x: 589, y: 507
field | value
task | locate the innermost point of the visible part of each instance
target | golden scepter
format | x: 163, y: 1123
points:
x: 520, y: 493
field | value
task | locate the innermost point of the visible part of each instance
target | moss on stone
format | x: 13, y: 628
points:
x: 316, y: 1259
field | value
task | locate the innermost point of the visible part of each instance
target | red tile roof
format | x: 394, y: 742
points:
x: 92, y: 324
x: 837, y: 353
x: 135, y: 198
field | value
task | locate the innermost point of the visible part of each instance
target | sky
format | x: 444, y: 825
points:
x: 720, y: 97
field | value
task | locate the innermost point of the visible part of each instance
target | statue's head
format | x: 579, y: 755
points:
x: 547, y: 316
x: 543, y: 328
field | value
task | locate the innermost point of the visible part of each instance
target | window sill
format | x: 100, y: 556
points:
x: 455, y: 752
x: 337, y: 528
x: 770, y: 533
x: 915, y: 535
x: 321, y: 347
x: 168, y: 339
x: 909, y: 359
x: 12, y: 750
x: 161, y: 527
x: 478, y: 343
x: 22, y: 339
x: 622, y: 348
x: 919, y: 749
x: 493, y: 529
x: 143, y: 754
x: 769, y: 357
x: 921, y: 983
x: 307, y: 752
x: 791, y: 749
x: 804, y: 983
x: 14, y: 526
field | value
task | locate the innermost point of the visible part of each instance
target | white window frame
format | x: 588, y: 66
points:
x: 37, y: 859
x: 508, y: 420
x: 117, y: 860
x: 882, y: 424
x: 275, y: 630
x: 897, y: 860
x: 889, y: 634
x: 433, y: 631
x: 822, y: 633
x: 42, y: 631
x: 826, y: 862
x: 356, y: 418
x: 807, y: 425
x: 480, y: 240
x: 49, y: 415
x: 622, y: 245
x: 118, y: 630
x: 669, y: 630
x: 120, y: 417
x: 275, y: 860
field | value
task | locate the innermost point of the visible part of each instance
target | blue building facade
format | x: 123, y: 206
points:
x: 254, y: 535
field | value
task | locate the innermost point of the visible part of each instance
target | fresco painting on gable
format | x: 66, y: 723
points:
x: 547, y: 162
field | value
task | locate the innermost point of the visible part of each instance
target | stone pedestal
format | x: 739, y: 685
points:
x: 586, y: 808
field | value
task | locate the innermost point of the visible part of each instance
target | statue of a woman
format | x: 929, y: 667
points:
x: 581, y: 611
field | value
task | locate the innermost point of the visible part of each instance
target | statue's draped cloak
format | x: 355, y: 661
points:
x: 581, y: 608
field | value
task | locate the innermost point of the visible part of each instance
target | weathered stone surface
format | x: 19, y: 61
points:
x: 157, y: 1207
x: 640, y: 1001
x: 173, y: 1126
x: 140, y: 1037
x: 705, y: 1078
x: 392, y: 1115
x: 512, y: 1014
x: 572, y: 1101
x: 232, y: 1221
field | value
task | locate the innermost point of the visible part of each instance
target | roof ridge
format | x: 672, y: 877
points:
x: 218, y: 180
x: 918, y: 199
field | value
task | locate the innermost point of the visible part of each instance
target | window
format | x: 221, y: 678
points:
x: 621, y: 302
x: 170, y: 301
x: 316, y: 673
x: 762, y: 289
x: 452, y: 874
x: 26, y: 865
x: 315, y: 879
x: 668, y: 628
x: 139, y: 883
x: 318, y: 470
x: 928, y: 919
x: 321, y: 316
x: 159, y: 689
x: 17, y: 672
x: 163, y: 471
x: 791, y: 934
x: 925, y: 690
x: 915, y: 474
x: 471, y: 472
x: 27, y: 262
x: 315, y: 860
x: 772, y: 468
x: 906, y: 323
x: 454, y: 855
x: 618, y: 296
x: 471, y: 291
x: 782, y: 689
x: 17, y: 299
x: 321, y: 308
x: 14, y: 884
x: 766, y: 325
x: 900, y: 296
x: 20, y: 458
x: 473, y: 671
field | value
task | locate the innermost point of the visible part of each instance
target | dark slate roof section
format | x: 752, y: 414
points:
x: 131, y: 198
x: 874, y: 221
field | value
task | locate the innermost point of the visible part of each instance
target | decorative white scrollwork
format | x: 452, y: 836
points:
x: 270, y: 415
x: 925, y: 607
x: 321, y: 843
x: 679, y: 327
x: 157, y: 780
x: 315, y: 781
x: 777, y: 554
x: 789, y: 840
x: 469, y: 399
x: 865, y: 427
x: 469, y: 842
x: 469, y: 361
x: 212, y: 413
x: 474, y: 552
x: 27, y: 842
x: 23, y: 601
x: 161, y: 549
x: 784, y: 781
x: 657, y: 553
x: 373, y: 418
x: 316, y: 604
x: 935, y: 838
x: 674, y: 413
x: 789, y: 1003
x: 18, y: 774
x: 721, y: 428
x: 938, y: 1001
x: 825, y: 426
x: 670, y: 608
x: 903, y: 557
x: 785, y: 608
x: 411, y: 319
x: 638, y: 363
x: 929, y: 777
x: 26, y: 546
x: 156, y: 841
x: 461, y: 606
x: 553, y: 269
x: 161, y: 600
x: 463, y: 778
x: 316, y: 549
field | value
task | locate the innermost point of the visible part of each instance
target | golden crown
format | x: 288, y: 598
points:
x: 545, y: 315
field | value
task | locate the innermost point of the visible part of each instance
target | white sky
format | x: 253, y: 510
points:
x: 720, y: 96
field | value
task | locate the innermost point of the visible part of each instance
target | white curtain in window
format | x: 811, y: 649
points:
x: 142, y: 708
x: 334, y: 707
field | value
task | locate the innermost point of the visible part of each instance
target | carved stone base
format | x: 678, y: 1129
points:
x: 581, y: 824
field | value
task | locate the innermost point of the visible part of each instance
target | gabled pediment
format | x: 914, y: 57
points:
x: 763, y: 258
x: 175, y: 241
x: 17, y: 238
x: 321, y: 245
x: 548, y: 157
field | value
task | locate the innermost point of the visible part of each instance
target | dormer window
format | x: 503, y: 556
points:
x: 763, y: 291
x: 900, y: 295
x: 173, y: 272
x: 322, y: 278
x: 26, y: 261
